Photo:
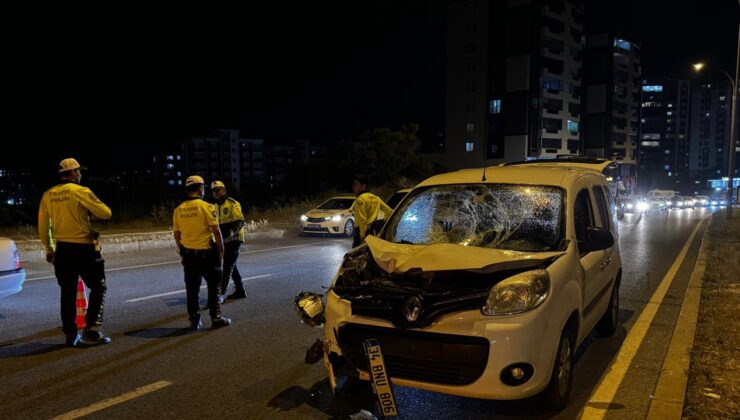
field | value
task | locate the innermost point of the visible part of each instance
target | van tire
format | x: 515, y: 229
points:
x: 557, y: 393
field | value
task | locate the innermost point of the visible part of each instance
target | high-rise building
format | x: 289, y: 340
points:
x: 228, y: 158
x: 711, y: 105
x: 611, y: 110
x: 513, y: 81
x: 664, y: 147
x: 17, y: 188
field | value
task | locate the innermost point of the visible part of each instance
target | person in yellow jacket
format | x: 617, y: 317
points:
x: 201, y: 247
x: 366, y: 209
x: 231, y: 221
x: 71, y: 245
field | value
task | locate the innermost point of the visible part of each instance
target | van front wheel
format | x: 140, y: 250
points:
x: 557, y: 393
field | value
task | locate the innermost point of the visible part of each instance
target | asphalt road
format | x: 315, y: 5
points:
x: 155, y: 368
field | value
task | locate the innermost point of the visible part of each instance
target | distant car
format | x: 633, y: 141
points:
x: 676, y: 203
x: 633, y: 205
x: 332, y: 217
x: 397, y: 197
x: 656, y: 204
x: 717, y: 202
x: 701, y: 200
x: 12, y: 275
x: 688, y: 202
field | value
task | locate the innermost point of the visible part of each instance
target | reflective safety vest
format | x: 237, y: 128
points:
x: 64, y: 215
x: 231, y: 220
x: 193, y: 218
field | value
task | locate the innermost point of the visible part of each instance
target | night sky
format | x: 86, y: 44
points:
x: 137, y: 80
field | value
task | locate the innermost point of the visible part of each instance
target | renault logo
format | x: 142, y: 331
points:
x: 411, y: 308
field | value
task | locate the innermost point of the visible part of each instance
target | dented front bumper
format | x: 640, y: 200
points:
x: 448, y: 356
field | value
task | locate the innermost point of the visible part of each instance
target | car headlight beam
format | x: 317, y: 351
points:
x: 519, y: 293
x: 304, y: 218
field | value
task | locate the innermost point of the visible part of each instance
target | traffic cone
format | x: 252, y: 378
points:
x: 81, y: 304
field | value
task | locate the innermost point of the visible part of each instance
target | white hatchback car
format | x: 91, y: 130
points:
x: 12, y: 275
x: 483, y: 282
x: 331, y: 217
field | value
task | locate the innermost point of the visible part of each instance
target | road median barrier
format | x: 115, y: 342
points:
x: 33, y: 251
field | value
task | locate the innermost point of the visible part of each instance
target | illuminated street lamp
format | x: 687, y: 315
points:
x: 731, y: 146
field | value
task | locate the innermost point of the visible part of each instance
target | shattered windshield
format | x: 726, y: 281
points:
x: 337, y: 204
x: 501, y: 216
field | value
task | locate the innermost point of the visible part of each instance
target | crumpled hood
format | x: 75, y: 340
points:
x: 400, y: 258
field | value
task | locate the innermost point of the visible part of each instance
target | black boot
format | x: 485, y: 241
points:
x: 94, y: 337
x: 239, y: 293
x: 72, y: 340
x: 195, y: 323
x: 220, y: 322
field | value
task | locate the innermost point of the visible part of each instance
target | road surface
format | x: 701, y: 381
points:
x: 155, y: 368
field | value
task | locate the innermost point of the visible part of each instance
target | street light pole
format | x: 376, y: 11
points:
x: 733, y: 138
x: 733, y: 112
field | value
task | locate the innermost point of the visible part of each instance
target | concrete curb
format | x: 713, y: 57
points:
x: 33, y: 251
x: 670, y: 393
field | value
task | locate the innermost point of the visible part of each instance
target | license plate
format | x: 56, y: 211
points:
x: 314, y: 226
x: 379, y: 376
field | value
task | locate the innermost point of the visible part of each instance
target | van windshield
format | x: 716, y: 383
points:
x: 501, y: 216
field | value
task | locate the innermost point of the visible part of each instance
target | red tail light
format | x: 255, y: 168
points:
x: 17, y: 259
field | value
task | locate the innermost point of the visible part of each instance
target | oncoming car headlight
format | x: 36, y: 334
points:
x: 519, y: 293
x: 303, y: 218
x: 629, y: 205
x: 642, y: 206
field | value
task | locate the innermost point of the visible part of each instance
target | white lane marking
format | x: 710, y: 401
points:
x: 602, y: 396
x: 102, y: 405
x: 261, y: 276
x: 133, y: 267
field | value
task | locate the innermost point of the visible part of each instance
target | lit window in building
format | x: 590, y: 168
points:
x: 171, y: 182
x: 622, y: 44
x: 707, y: 114
x: 170, y: 157
x: 552, y: 84
x: 469, y: 127
x: 494, y: 107
x: 666, y: 167
x: 670, y: 173
x: 670, y: 105
x: 722, y: 98
x: 179, y: 157
x: 469, y: 146
x: 573, y: 127
x: 652, y: 88
x: 170, y: 166
x: 179, y: 182
x: 669, y: 113
x: 668, y: 152
x: 650, y: 144
x: 179, y: 173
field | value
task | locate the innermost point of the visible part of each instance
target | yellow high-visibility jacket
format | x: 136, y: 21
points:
x: 64, y: 215
x: 231, y: 220
x: 366, y: 209
x: 193, y: 218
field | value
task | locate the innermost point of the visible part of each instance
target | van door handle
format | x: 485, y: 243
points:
x: 606, y: 263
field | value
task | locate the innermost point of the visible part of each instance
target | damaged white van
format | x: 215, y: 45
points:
x: 483, y: 282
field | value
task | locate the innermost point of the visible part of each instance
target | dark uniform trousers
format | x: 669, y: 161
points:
x: 72, y: 261
x: 199, y: 265
x: 231, y: 270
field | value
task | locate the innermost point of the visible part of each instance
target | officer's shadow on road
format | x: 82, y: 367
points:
x: 321, y: 398
x: 8, y: 351
x: 158, y: 332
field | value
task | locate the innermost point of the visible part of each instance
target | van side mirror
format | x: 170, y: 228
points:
x: 598, y: 239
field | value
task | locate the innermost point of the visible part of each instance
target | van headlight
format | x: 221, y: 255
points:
x: 336, y: 218
x: 519, y: 293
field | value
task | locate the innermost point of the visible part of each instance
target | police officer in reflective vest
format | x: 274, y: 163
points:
x: 366, y: 209
x: 201, y: 247
x: 71, y: 245
x: 231, y: 221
